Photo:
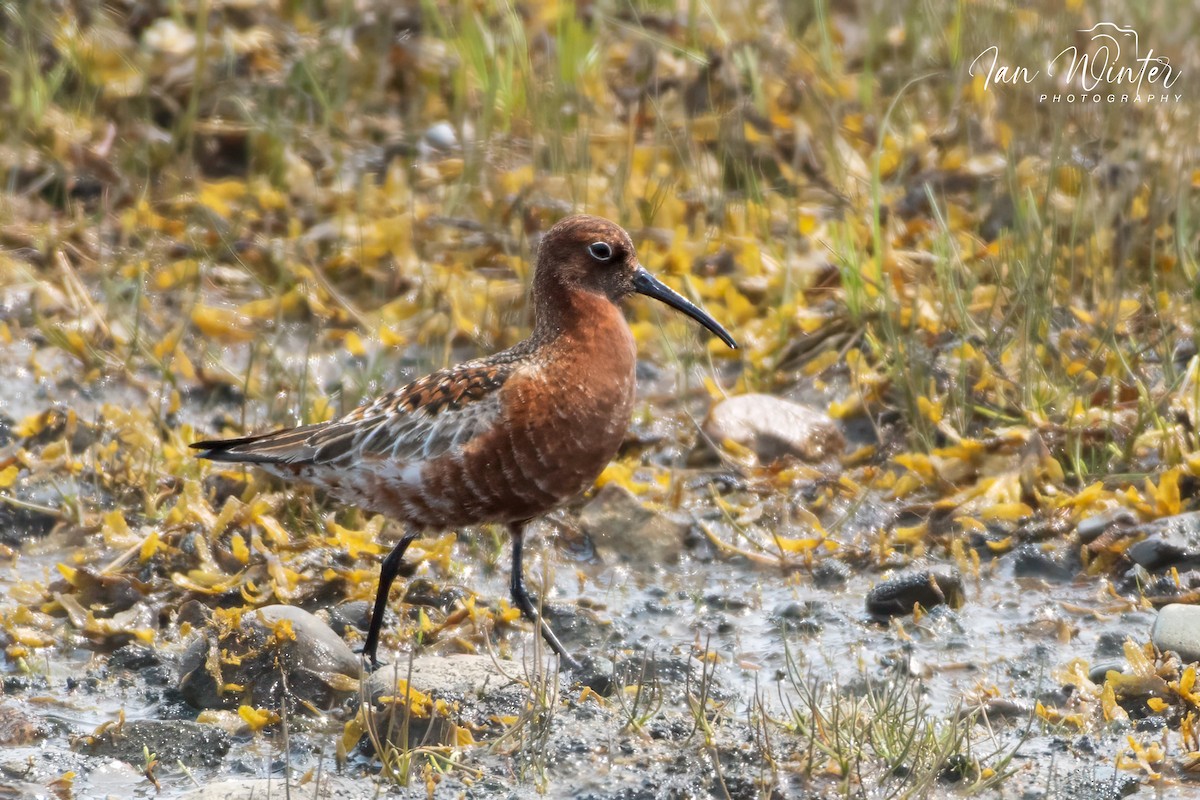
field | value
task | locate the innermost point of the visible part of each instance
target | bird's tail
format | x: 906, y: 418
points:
x: 289, y: 446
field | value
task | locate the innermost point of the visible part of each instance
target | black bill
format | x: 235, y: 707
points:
x: 647, y: 284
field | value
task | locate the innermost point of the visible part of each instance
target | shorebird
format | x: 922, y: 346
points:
x: 501, y: 439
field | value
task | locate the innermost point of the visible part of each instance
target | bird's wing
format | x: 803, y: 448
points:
x: 421, y: 421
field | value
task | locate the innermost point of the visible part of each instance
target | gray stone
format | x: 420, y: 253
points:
x: 928, y: 588
x: 1034, y: 561
x: 1099, y: 671
x: 1170, y: 542
x: 618, y: 523
x: 1089, y: 529
x: 774, y: 428
x: 1177, y: 628
x: 313, y: 664
x: 597, y: 674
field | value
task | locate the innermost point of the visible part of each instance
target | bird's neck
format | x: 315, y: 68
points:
x: 587, y: 323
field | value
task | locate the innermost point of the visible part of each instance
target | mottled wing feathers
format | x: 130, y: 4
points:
x: 422, y: 420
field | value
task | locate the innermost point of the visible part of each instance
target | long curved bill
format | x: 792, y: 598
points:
x: 647, y: 284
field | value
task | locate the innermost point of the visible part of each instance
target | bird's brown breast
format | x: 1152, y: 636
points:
x: 563, y: 416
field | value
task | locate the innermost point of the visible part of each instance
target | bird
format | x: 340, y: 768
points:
x: 502, y: 439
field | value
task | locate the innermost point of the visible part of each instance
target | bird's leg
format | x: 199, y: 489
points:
x: 523, y: 601
x: 387, y: 574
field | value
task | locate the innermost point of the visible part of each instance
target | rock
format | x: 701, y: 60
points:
x: 355, y: 614
x: 440, y: 136
x: 135, y: 658
x: 21, y: 524
x: 1177, y: 628
x: 830, y: 574
x: 171, y: 741
x: 1032, y: 561
x: 318, y: 668
x: 447, y: 692
x: 1170, y: 542
x: 928, y: 588
x: 423, y: 592
x: 726, y: 602
x: 618, y: 523
x: 806, y: 617
x: 328, y: 787
x: 1099, y: 671
x: 1089, y: 529
x: 1110, y: 646
x: 597, y: 674
x: 774, y: 428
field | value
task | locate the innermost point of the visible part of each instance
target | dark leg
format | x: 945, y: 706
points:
x: 522, y: 600
x: 387, y: 574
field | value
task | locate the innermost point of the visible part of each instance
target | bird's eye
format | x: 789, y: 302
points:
x: 601, y: 251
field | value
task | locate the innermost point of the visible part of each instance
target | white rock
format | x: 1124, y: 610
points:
x: 1178, y: 628
x: 773, y: 428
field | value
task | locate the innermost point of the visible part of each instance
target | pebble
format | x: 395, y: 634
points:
x: 440, y: 136
x: 1177, y: 628
x: 1089, y: 529
x: 1099, y: 671
x: 318, y: 667
x: 774, y: 428
x: 1170, y: 542
x: 929, y: 588
x: 596, y: 673
x: 1032, y: 561
x: 830, y: 574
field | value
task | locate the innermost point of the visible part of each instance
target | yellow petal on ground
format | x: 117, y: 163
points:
x: 390, y: 337
x: 798, y: 545
x: 67, y: 572
x: 218, y: 195
x: 931, y: 410
x: 1108, y: 703
x: 116, y: 532
x: 222, y: 324
x: 8, y: 476
x: 275, y: 531
x: 906, y: 484
x: 354, y: 344
x: 1011, y: 512
x: 32, y: 425
x: 911, y: 535
x: 257, y: 718
x: 821, y: 363
x: 238, y: 545
x: 149, y: 547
